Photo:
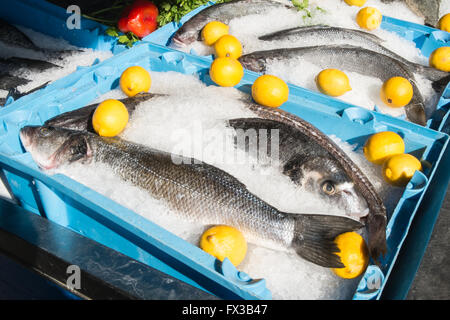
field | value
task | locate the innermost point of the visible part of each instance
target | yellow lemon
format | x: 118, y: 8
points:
x: 396, y: 92
x: 399, y: 169
x: 212, y: 31
x: 226, y: 72
x: 369, y: 18
x: 440, y: 59
x: 228, y: 46
x: 353, y: 253
x: 383, y: 145
x: 270, y: 91
x: 135, y: 80
x: 444, y: 22
x: 333, y: 82
x: 358, y: 3
x: 110, y: 118
x: 224, y: 242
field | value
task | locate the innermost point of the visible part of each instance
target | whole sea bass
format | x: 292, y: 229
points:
x: 307, y: 156
x: 347, y: 58
x: 223, y: 12
x: 330, y: 35
x: 198, y: 192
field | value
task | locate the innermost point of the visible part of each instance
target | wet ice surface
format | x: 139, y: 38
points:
x: 172, y: 123
x: 67, y: 62
x: 366, y: 89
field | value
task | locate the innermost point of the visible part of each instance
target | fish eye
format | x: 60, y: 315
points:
x: 328, y: 187
x: 44, y: 131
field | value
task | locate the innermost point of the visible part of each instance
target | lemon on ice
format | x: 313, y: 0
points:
x: 396, y: 92
x: 226, y: 72
x: 270, y: 91
x: 110, y: 118
x: 440, y: 59
x: 353, y: 253
x: 228, y: 46
x: 333, y: 82
x: 224, y: 242
x: 135, y: 80
x: 444, y: 22
x: 212, y: 31
x: 399, y: 169
x: 358, y: 3
x: 369, y: 18
x: 383, y: 145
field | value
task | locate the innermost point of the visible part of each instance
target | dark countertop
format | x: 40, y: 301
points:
x: 432, y: 280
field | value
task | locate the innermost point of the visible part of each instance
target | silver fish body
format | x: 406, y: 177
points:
x: 223, y: 12
x: 194, y: 190
x: 307, y: 163
x: 347, y: 58
x: 331, y: 35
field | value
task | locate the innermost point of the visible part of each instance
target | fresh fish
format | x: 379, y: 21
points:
x: 348, y: 58
x: 223, y: 12
x: 358, y: 38
x: 307, y: 163
x: 8, y: 81
x: 15, y: 44
x: 14, y: 71
x: 427, y: 9
x: 196, y: 191
x: 295, y: 134
x: 81, y: 119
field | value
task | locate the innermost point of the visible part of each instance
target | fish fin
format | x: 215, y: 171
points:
x: 314, y: 236
x: 440, y: 85
x: 439, y: 78
x: 376, y: 225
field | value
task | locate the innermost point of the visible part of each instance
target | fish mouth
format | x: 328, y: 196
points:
x: 178, y: 42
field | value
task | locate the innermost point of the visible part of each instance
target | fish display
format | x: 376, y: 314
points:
x: 346, y: 58
x: 81, y: 119
x: 190, y: 31
x: 339, y: 180
x: 196, y: 191
x: 427, y: 9
x: 358, y: 38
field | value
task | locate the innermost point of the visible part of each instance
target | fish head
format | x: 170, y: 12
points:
x: 254, y: 62
x: 52, y: 147
x: 325, y: 177
x: 185, y: 36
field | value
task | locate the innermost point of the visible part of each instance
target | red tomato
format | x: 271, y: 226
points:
x: 139, y: 18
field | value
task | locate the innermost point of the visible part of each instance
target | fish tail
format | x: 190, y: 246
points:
x: 376, y: 225
x: 314, y: 237
x: 439, y: 78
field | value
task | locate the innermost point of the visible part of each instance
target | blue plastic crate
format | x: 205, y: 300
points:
x: 75, y: 206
